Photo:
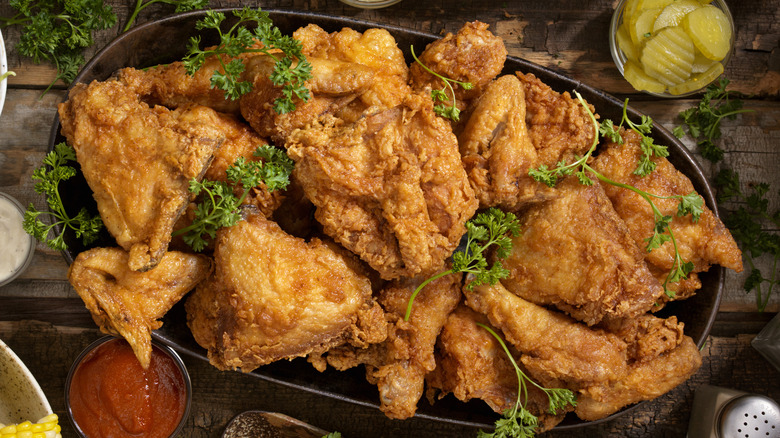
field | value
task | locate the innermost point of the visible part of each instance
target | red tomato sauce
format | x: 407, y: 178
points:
x: 112, y: 396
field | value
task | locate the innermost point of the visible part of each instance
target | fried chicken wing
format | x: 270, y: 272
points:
x: 472, y: 55
x: 576, y: 253
x: 597, y: 364
x: 704, y: 242
x: 471, y: 364
x: 275, y: 296
x: 399, y: 364
x: 390, y: 187
x: 128, y: 303
x: 138, y: 161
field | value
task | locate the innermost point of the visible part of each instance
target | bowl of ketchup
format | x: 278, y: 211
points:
x: 109, y: 394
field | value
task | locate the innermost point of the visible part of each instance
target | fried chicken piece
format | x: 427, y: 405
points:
x: 390, y: 187
x: 333, y: 85
x: 704, y: 242
x: 559, y: 126
x: 576, y: 253
x: 497, y: 150
x: 472, y: 55
x: 647, y: 337
x: 171, y: 86
x: 560, y: 352
x: 138, y: 161
x: 129, y: 303
x: 375, y: 49
x: 399, y: 364
x: 275, y: 296
x: 471, y: 364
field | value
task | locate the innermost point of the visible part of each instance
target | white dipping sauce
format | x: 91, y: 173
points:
x: 14, y: 241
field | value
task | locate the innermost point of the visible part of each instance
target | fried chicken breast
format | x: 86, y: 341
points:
x: 274, y: 296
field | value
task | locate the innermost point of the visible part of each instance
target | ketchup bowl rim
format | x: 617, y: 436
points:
x: 164, y: 348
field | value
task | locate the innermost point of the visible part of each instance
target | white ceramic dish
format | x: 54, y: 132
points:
x: 20, y: 396
x: 3, y: 69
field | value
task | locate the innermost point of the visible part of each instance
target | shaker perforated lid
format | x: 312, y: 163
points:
x: 750, y: 416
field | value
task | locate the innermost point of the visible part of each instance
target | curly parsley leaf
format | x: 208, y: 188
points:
x: 649, y: 149
x: 181, y: 6
x: 58, y: 31
x: 440, y: 97
x: 291, y: 69
x: 219, y: 205
x: 488, y: 229
x: 48, y: 176
x: 517, y: 421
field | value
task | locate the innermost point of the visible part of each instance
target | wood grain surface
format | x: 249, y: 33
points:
x: 44, y: 321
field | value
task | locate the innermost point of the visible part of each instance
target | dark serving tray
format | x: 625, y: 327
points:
x: 165, y: 41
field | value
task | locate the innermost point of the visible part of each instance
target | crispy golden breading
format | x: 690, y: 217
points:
x: 275, y: 296
x: 138, y: 161
x: 129, y: 303
x: 391, y: 187
x: 398, y: 365
x: 575, y: 253
x: 471, y: 364
x: 472, y: 55
x: 704, y: 242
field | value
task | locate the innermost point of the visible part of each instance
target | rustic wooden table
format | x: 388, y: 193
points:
x: 45, y: 322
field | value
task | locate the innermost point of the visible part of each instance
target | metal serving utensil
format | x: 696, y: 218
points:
x: 261, y: 424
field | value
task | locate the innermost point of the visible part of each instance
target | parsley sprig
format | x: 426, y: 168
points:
x: 447, y: 111
x: 487, y: 229
x: 58, y: 31
x: 688, y: 204
x: 53, y: 171
x: 517, y: 421
x: 220, y: 206
x: 291, y: 69
x: 749, y: 223
x: 181, y: 6
x: 649, y: 149
x: 703, y: 120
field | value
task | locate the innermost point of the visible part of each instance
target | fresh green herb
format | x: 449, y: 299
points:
x: 449, y: 112
x: 333, y: 435
x: 7, y: 74
x: 646, y: 144
x: 220, y: 207
x: 291, y: 69
x: 703, y: 120
x: 517, y: 421
x: 485, y: 230
x: 181, y: 6
x: 49, y: 175
x: 748, y: 223
x: 688, y: 204
x: 58, y: 30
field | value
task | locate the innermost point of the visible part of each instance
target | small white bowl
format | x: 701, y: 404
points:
x: 12, y: 231
x: 3, y: 69
x: 21, y: 398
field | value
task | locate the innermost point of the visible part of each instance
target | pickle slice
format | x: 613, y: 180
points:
x: 698, y: 81
x: 673, y: 14
x: 625, y: 44
x: 641, y: 27
x: 710, y: 30
x: 640, y: 80
x: 668, y: 56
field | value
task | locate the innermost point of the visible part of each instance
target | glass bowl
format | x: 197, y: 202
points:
x: 18, y: 246
x: 621, y: 58
x: 94, y: 370
x: 370, y: 4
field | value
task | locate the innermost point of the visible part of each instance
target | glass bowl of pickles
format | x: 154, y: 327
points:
x: 671, y: 48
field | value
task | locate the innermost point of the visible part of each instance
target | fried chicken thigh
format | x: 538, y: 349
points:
x: 390, y: 187
x: 576, y: 253
x: 275, y: 296
x: 128, y: 303
x: 138, y: 161
x: 704, y: 242
x: 399, y: 364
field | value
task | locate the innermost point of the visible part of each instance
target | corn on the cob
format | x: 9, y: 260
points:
x: 46, y: 427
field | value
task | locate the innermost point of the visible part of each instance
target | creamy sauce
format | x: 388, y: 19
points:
x: 15, y: 242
